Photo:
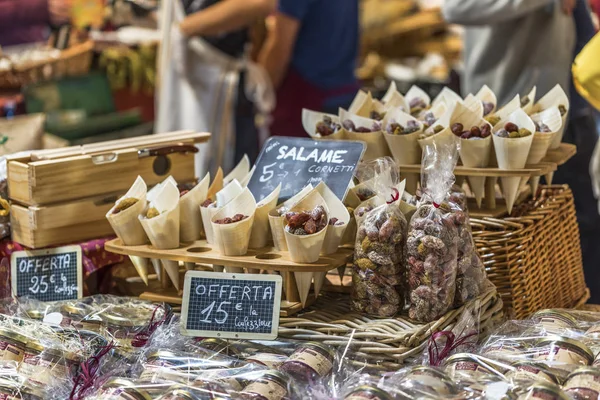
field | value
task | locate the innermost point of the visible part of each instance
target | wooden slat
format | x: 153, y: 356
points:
x: 40, y: 238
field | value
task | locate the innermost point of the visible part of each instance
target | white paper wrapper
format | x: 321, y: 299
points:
x: 376, y: 145
x: 306, y: 249
x: 233, y: 239
x: 337, y: 209
x: 447, y: 96
x: 542, y: 140
x: 404, y: 148
x: 216, y: 185
x: 224, y: 196
x: 531, y: 96
x: 310, y: 120
x: 190, y: 218
x: 486, y: 94
x: 276, y: 221
x: 126, y: 224
x: 261, y: 230
x: 362, y: 104
x: 239, y: 171
x: 396, y: 100
x: 416, y: 92
x: 474, y: 104
x: 554, y: 98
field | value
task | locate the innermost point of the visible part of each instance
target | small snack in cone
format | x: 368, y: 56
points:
x: 276, y: 218
x: 417, y: 99
x: 378, y: 110
x: 232, y: 225
x: 362, y: 104
x: 512, y: 142
x: 528, y: 101
x: 488, y: 100
x: 547, y: 125
x: 322, y: 126
x: 473, y: 104
x: 190, y: 218
x: 401, y: 131
x: 438, y: 132
x: 430, y: 117
x: 209, y: 208
x: 244, y: 182
x: 366, y: 130
x: 475, y: 145
x: 339, y: 217
x: 503, y: 113
x: 123, y: 219
x: 305, y: 227
x: 378, y: 267
x: 161, y: 224
x: 261, y: 231
x: 240, y: 171
x: 556, y: 97
x: 447, y: 96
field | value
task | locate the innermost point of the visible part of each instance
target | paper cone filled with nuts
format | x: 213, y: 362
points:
x: 488, y: 100
x: 556, y: 97
x: 339, y: 217
x: 417, y: 100
x: 367, y: 130
x: 240, y: 171
x: 190, y: 218
x: 401, y: 131
x: 321, y: 125
x: 232, y: 224
x: 528, y: 100
x: 210, y: 207
x: 277, y: 218
x: 547, y: 124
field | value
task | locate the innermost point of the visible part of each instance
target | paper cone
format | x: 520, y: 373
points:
x: 554, y: 98
x: 337, y: 209
x: 438, y: 111
x: 244, y: 182
x: 310, y: 120
x: 216, y: 186
x: 447, y: 96
x: 404, y: 148
x: 486, y: 94
x: 361, y: 105
x: 319, y: 278
x: 510, y: 190
x: 392, y: 89
x: 376, y: 145
x: 233, y: 239
x: 261, y: 231
x: 303, y: 281
x: 542, y: 140
x: 190, y: 218
x: 206, y: 213
x: 473, y: 104
x: 172, y: 269
x: 239, y: 171
x: 141, y: 266
x: 396, y: 100
x: 126, y: 224
x: 276, y: 221
x: 549, y: 177
x: 416, y: 92
x: 306, y: 249
x: 534, y: 182
x: 442, y: 138
x: 341, y: 273
x: 508, y: 109
x: 224, y: 196
x: 350, y: 232
x: 531, y: 96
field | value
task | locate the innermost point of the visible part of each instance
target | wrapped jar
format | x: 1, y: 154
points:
x: 367, y: 392
x: 12, y: 346
x: 9, y: 389
x: 122, y: 389
x: 179, y: 392
x: 544, y: 391
x: 272, y: 385
x: 564, y: 353
x: 162, y: 365
x: 310, y: 361
x: 507, y: 350
x: 583, y: 384
x: 431, y: 380
x: 466, y: 366
x: 44, y: 365
x: 531, y: 371
x: 121, y: 328
x: 269, y: 360
x: 555, y: 321
x: 80, y: 316
x: 593, y: 332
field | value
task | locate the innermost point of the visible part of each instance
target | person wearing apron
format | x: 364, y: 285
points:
x: 310, y: 54
x: 207, y: 84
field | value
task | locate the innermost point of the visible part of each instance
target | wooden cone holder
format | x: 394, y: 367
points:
x: 492, y: 204
x: 265, y: 260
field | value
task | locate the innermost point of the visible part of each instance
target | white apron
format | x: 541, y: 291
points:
x: 198, y: 87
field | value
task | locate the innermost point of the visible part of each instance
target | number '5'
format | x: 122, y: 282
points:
x: 267, y: 174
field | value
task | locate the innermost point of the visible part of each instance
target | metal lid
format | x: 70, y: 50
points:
x: 549, y: 388
x: 320, y: 347
x: 584, y: 371
x: 381, y: 394
x: 570, y: 343
x: 35, y: 345
x: 558, y: 313
x: 35, y: 314
x: 429, y: 371
x: 13, y: 335
x: 118, y: 320
x: 461, y: 357
x: 275, y: 376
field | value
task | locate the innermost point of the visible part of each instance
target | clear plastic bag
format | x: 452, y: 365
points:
x: 378, y: 270
x: 432, y: 243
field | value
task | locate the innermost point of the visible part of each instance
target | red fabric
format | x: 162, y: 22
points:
x: 23, y: 21
x: 596, y: 7
x: 294, y: 94
x: 93, y: 254
x: 127, y: 99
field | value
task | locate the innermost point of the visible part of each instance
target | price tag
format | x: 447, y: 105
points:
x: 47, y: 275
x: 296, y: 162
x: 231, y: 306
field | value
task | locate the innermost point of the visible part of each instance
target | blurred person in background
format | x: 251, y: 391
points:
x: 27, y: 21
x: 310, y: 53
x: 207, y: 83
x: 512, y: 45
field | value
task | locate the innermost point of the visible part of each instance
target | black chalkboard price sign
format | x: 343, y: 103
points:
x: 231, y: 306
x: 297, y: 162
x: 47, y: 275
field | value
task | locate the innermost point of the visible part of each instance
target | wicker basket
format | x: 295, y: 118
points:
x: 380, y: 343
x: 73, y: 61
x: 534, y: 257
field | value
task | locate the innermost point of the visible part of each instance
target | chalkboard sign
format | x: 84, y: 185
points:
x: 231, y: 306
x: 296, y: 162
x: 47, y: 275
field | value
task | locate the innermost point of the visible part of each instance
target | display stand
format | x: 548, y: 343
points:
x: 297, y: 277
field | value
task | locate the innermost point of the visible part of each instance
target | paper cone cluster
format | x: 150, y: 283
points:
x: 512, y: 154
x: 447, y: 96
x: 392, y: 99
x: 474, y: 104
x: 542, y: 140
x: 554, y: 98
x: 404, y: 148
x: 240, y: 171
x: 486, y: 94
x: 233, y: 239
x: 310, y: 119
x: 276, y: 221
x: 416, y: 92
x: 376, y: 145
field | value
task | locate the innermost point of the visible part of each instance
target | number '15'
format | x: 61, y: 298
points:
x: 208, y: 310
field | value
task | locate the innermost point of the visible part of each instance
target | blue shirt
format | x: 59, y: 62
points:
x: 326, y: 48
